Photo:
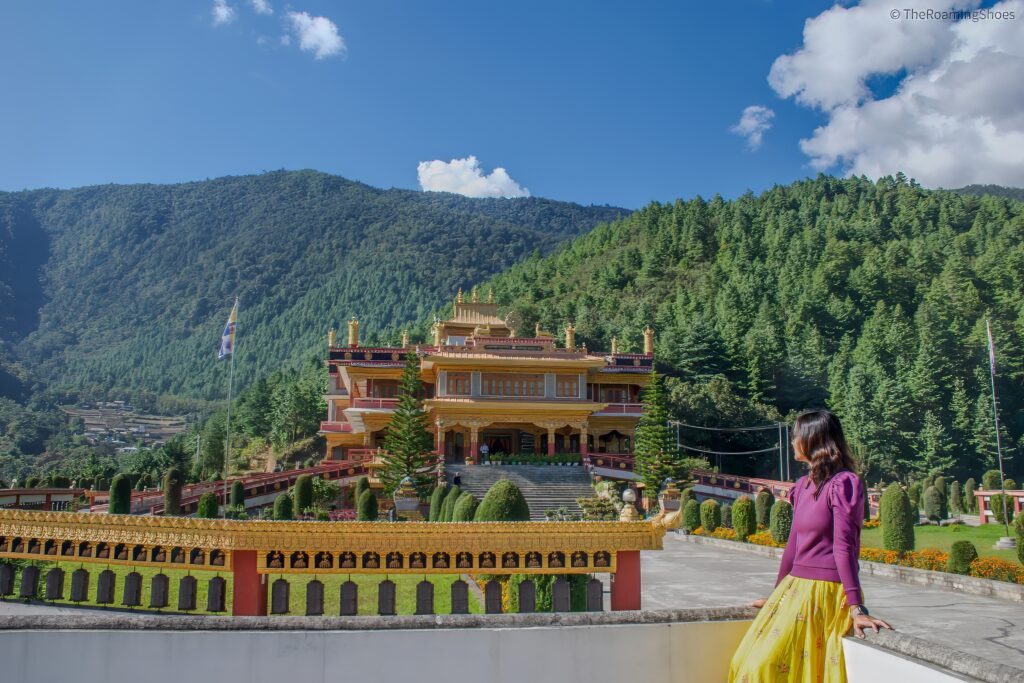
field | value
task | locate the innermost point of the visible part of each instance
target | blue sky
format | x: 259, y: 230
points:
x: 617, y: 103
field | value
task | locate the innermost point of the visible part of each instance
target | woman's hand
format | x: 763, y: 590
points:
x: 863, y: 621
x: 758, y: 604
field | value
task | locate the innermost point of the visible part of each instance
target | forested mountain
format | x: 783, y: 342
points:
x: 994, y: 190
x: 123, y: 291
x: 869, y: 297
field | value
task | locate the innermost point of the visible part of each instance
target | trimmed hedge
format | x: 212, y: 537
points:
x: 897, y: 527
x: 1009, y: 484
x: 362, y: 484
x: 367, y: 510
x: 710, y: 515
x: 956, y: 498
x: 303, y: 494
x: 172, y: 492
x: 691, y: 515
x: 961, y: 554
x: 970, y: 502
x: 763, y: 507
x: 781, y: 521
x: 504, y: 502
x: 727, y: 515
x: 283, y: 507
x: 990, y: 480
x: 237, y: 493
x: 744, y: 521
x: 996, y: 503
x: 465, y: 507
x: 436, y: 499
x: 932, y: 504
x: 448, y: 506
x: 914, y: 492
x: 120, y: 495
x: 686, y: 495
x: 209, y: 506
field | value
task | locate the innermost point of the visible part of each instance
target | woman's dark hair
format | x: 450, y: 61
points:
x: 818, y: 434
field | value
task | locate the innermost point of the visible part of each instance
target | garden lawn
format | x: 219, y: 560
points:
x: 942, y: 538
x: 174, y: 575
x: 405, y: 592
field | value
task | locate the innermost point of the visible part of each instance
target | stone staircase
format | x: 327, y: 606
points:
x: 545, y: 487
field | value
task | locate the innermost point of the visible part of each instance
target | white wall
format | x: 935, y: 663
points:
x: 870, y: 664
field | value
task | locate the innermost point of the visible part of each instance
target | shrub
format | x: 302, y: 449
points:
x: 363, y: 484
x: 172, y: 491
x: 303, y: 493
x: 691, y: 515
x: 32, y: 483
x: 1009, y: 484
x: 914, y: 492
x: 996, y: 503
x: 710, y: 515
x: 237, y: 493
x: 781, y: 520
x: 367, y: 509
x: 504, y: 502
x: 743, y: 520
x: 208, y: 506
x: 960, y: 557
x: 940, y: 484
x: 897, y: 529
x: 436, y: 498
x: 120, y: 495
x: 465, y: 508
x: 1000, y: 570
x: 283, y: 507
x: 763, y: 507
x: 727, y: 515
x: 956, y: 498
x: 970, y: 502
x: 687, y: 495
x: 990, y: 480
x: 928, y: 481
x: 764, y: 538
x: 448, y: 506
x: 932, y: 504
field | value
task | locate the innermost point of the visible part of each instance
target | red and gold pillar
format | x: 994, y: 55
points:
x: 626, y: 581
x: 248, y: 588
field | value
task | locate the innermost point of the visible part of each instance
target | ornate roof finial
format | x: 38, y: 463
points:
x: 405, y: 339
x: 458, y: 297
x: 437, y: 333
x: 332, y: 337
x: 353, y: 332
x: 490, y: 295
x: 536, y: 330
x: 648, y: 340
x: 474, y: 295
x: 615, y: 345
x: 570, y: 337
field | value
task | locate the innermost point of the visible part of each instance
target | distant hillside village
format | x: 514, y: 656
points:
x: 116, y: 424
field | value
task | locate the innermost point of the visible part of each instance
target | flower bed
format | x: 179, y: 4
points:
x: 563, y: 459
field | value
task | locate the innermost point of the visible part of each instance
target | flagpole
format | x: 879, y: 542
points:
x: 995, y: 418
x: 231, y: 381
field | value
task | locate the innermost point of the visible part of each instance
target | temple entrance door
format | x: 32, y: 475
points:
x: 454, y: 447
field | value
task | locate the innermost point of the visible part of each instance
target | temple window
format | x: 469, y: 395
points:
x: 511, y: 384
x: 567, y: 386
x: 458, y: 384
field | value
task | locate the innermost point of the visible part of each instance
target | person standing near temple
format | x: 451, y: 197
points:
x: 798, y: 634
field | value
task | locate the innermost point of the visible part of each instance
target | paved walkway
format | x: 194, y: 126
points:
x: 691, y: 575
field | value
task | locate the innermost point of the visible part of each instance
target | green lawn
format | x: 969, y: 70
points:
x: 174, y: 576
x: 942, y: 538
x: 405, y: 592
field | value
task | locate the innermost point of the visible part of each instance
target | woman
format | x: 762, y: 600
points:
x: 798, y: 634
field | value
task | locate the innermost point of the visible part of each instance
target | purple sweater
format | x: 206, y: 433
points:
x: 824, y: 542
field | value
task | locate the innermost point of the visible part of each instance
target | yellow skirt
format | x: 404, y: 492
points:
x: 797, y: 636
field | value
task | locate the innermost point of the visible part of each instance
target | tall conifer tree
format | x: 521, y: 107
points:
x: 657, y: 456
x: 407, y: 440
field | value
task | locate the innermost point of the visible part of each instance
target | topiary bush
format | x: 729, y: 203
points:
x: 932, y: 501
x: 940, y: 484
x: 120, y: 495
x: 928, y: 481
x: 173, y: 481
x: 33, y: 483
x: 208, y: 506
x: 1009, y: 484
x: 691, y: 515
x: 436, y: 499
x: 283, y: 507
x: 465, y: 508
x: 763, y: 506
x: 237, y: 493
x: 996, y: 504
x: 448, y: 506
x: 897, y: 528
x: 970, y: 502
x: 914, y: 492
x: 367, y: 508
x: 504, y: 502
x: 363, y: 484
x: 727, y: 515
x: 781, y: 521
x: 961, y: 554
x: 744, y: 520
x: 956, y: 498
x: 686, y: 495
x: 710, y: 515
x: 303, y: 494
x: 990, y: 480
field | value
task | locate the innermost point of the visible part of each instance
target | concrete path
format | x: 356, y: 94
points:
x: 691, y: 575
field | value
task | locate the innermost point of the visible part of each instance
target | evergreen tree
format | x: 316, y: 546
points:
x: 120, y: 495
x: 209, y: 506
x: 283, y: 507
x: 303, y: 493
x: 237, y: 493
x: 367, y: 508
x: 172, y: 484
x: 407, y: 442
x: 655, y: 449
x: 935, y: 447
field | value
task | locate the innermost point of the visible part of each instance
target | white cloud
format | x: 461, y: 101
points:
x: 753, y: 123
x: 222, y: 12
x: 465, y: 177
x: 261, y: 6
x: 318, y: 35
x: 956, y: 115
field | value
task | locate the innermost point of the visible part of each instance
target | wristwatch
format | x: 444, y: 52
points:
x: 860, y: 610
